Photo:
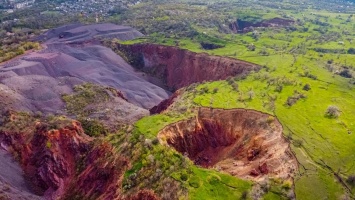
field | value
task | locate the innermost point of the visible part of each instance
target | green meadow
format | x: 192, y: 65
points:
x: 299, y: 80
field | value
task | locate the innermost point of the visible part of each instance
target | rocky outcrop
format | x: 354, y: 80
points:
x: 64, y: 163
x: 242, y: 26
x: 244, y: 143
x: 179, y: 67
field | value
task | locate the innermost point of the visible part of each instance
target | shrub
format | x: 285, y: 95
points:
x: 204, y: 90
x: 235, y: 86
x: 194, y: 182
x: 351, y: 51
x: 48, y: 144
x: 351, y: 180
x: 251, y: 94
x: 332, y: 112
x: 251, y: 47
x: 244, y: 195
x: 311, y: 76
x: 93, y: 128
x: 38, y: 114
x: 297, y: 143
x: 184, y: 177
x: 155, y: 141
x: 270, y: 119
x: 293, y: 99
x: 307, y: 87
x: 287, y: 185
x: 346, y: 73
x: 263, y: 52
x: 278, y: 88
x: 290, y: 101
x: 230, y: 81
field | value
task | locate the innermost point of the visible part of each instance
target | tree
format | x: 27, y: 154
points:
x: 307, y: 87
x: 251, y: 47
x: 351, y: 180
x: 346, y: 73
x: 332, y: 112
x: 351, y: 51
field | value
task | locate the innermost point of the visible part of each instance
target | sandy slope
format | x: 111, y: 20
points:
x: 37, y: 80
x: 12, y: 183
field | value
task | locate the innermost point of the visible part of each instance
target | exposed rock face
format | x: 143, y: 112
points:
x: 180, y: 68
x: 244, y: 143
x: 64, y: 163
x: 162, y: 106
x: 241, y: 26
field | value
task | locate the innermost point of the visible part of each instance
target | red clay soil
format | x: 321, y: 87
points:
x: 244, y: 143
x: 180, y: 67
x: 144, y: 195
x: 162, y: 106
x: 65, y: 163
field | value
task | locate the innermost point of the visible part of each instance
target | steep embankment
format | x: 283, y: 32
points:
x: 243, y: 26
x: 165, y: 104
x: 244, y: 143
x: 60, y: 161
x: 179, y: 67
x: 64, y: 162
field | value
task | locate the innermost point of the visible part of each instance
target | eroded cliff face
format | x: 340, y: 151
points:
x: 242, y: 26
x: 179, y: 68
x: 244, y: 143
x: 162, y: 106
x: 64, y: 163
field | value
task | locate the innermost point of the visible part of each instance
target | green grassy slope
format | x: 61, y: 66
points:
x: 323, y: 145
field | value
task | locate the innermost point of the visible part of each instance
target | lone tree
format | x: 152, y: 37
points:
x: 332, y: 112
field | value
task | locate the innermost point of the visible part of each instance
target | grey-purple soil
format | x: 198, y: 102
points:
x: 71, y: 56
x: 74, y: 33
x: 12, y: 183
x: 36, y: 81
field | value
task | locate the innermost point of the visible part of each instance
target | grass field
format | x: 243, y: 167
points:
x: 323, y: 145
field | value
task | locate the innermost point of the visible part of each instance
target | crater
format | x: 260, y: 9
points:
x: 245, y: 143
